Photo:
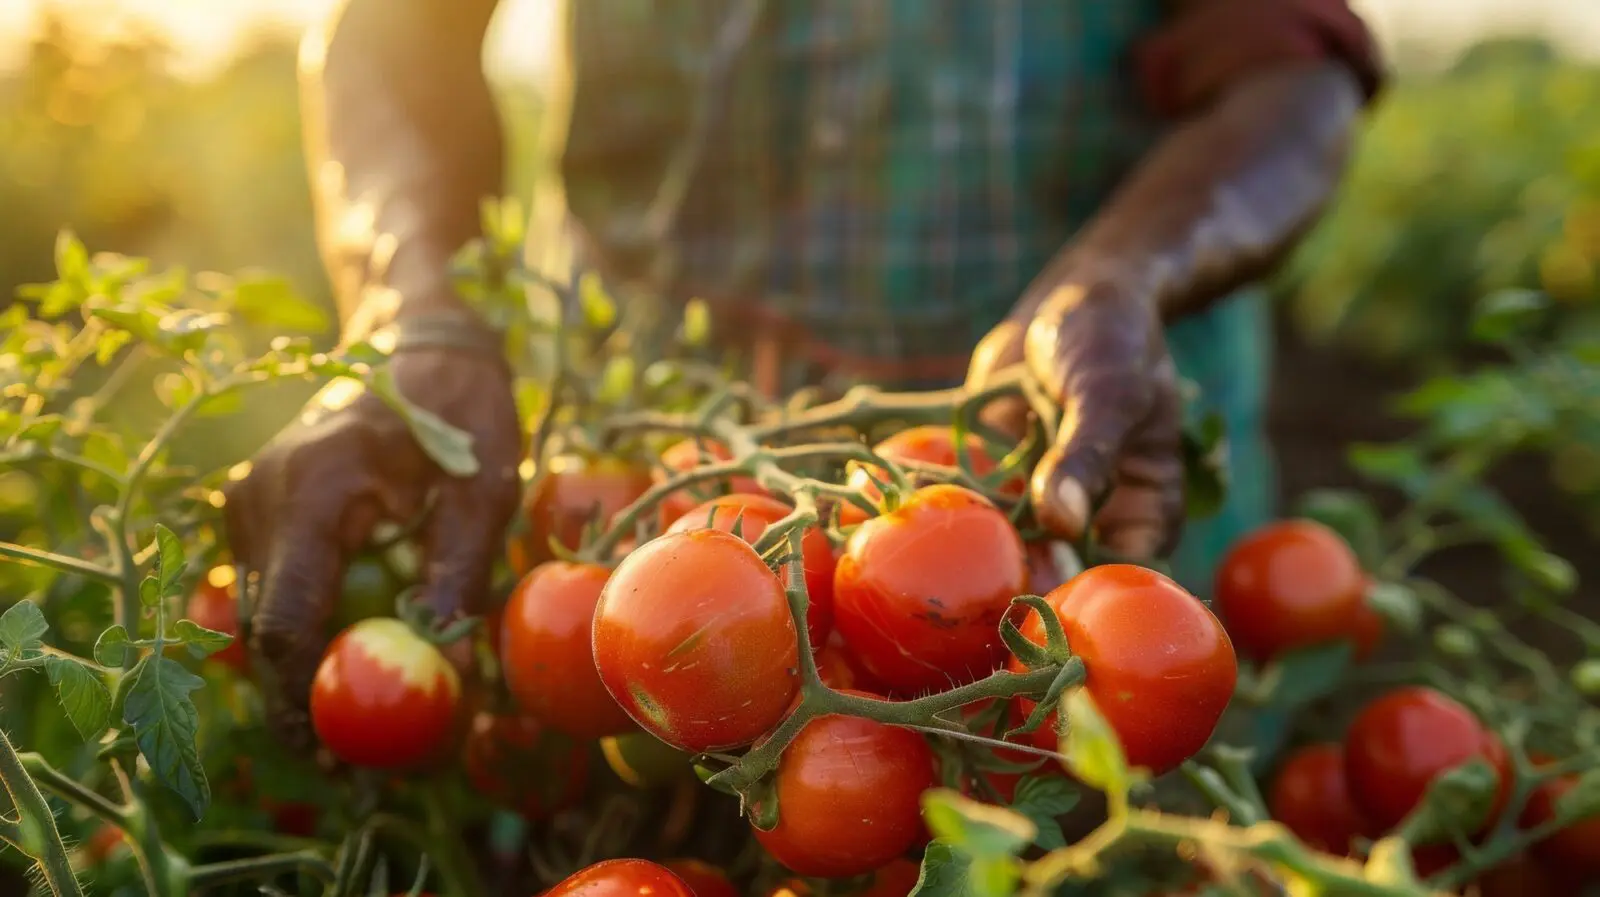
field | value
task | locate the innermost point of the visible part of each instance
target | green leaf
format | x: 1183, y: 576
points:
x: 1352, y: 515
x: 1044, y: 800
x: 1457, y: 801
x: 111, y: 647
x: 1582, y: 800
x: 203, y: 642
x: 169, y: 564
x: 945, y: 872
x: 1205, y: 466
x: 22, y: 628
x: 185, y: 330
x: 599, y: 309
x: 1507, y: 314
x: 163, y: 717
x: 72, y: 259
x: 272, y: 302
x: 981, y: 830
x: 174, y: 389
x: 1093, y: 751
x: 1308, y: 674
x: 149, y: 592
x: 1400, y: 465
x: 83, y: 694
x: 448, y: 446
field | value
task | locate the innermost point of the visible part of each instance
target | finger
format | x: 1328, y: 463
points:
x: 1076, y: 472
x: 1001, y: 348
x: 465, y: 535
x: 1145, y: 515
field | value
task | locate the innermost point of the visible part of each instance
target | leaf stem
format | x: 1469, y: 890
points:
x: 71, y: 790
x: 36, y: 830
x: 259, y: 868
x: 64, y: 563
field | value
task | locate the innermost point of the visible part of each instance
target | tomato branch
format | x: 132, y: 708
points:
x: 36, y: 833
x: 41, y: 558
x: 261, y: 868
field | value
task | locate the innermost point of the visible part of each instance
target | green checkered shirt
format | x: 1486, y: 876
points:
x: 883, y: 178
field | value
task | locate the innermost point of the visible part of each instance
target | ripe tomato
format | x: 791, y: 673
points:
x: 896, y: 879
x: 621, y: 878
x: 693, y: 637
x: 518, y: 762
x: 547, y: 650
x: 849, y: 796
x: 296, y: 818
x: 920, y: 592
x: 928, y: 444
x: 105, y: 842
x: 564, y: 499
x: 383, y: 696
x: 1576, y: 847
x: 1309, y: 796
x: 1288, y: 585
x: 215, y: 606
x: 1160, y: 666
x: 1524, y: 876
x: 684, y: 456
x: 757, y: 512
x: 1368, y: 630
x: 703, y: 879
x: 833, y: 668
x: 1402, y: 741
x: 645, y: 761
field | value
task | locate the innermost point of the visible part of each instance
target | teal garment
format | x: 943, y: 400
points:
x: 878, y: 181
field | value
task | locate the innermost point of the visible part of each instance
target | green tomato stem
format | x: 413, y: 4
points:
x: 35, y: 832
x: 61, y: 562
x: 71, y: 790
x: 259, y: 868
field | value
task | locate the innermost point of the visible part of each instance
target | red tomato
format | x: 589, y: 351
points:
x: 684, y: 456
x: 564, y: 499
x: 516, y: 761
x: 1288, y: 585
x: 622, y: 878
x: 833, y: 668
x: 757, y: 512
x: 102, y: 844
x: 849, y: 796
x: 215, y: 606
x: 1368, y: 631
x: 1402, y: 741
x: 1160, y: 667
x: 1576, y: 847
x: 703, y: 879
x: 383, y: 697
x: 1527, y: 876
x: 928, y: 444
x: 295, y: 818
x: 920, y: 592
x: 894, y: 880
x: 1310, y: 797
x: 547, y: 650
x: 693, y: 637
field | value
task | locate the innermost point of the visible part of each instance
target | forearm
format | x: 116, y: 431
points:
x: 1224, y: 196
x: 403, y: 142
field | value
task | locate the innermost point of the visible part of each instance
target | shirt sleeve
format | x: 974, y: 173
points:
x: 1207, y: 46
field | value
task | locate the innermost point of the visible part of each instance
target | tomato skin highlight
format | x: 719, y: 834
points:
x: 755, y: 513
x: 1160, y: 667
x: 1403, y: 740
x: 383, y: 697
x: 681, y: 457
x: 920, y: 591
x: 1310, y: 796
x: 1287, y: 585
x: 215, y: 606
x: 547, y: 650
x: 564, y: 497
x: 518, y: 762
x: 621, y: 878
x: 694, y: 639
x: 849, y: 797
x: 703, y: 879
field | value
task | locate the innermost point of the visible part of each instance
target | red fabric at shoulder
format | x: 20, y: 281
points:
x: 1213, y: 44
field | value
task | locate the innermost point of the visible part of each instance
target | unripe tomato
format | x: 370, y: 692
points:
x: 694, y: 639
x: 849, y: 796
x: 685, y: 456
x: 547, y: 650
x: 518, y: 762
x: 621, y: 878
x: 920, y: 591
x: 563, y: 500
x: 928, y: 444
x: 1309, y: 795
x: 1159, y: 665
x: 755, y: 513
x: 384, y: 697
x: 645, y: 761
x: 1399, y: 743
x: 368, y: 590
x: 1287, y: 585
x: 1576, y: 847
x: 703, y: 879
x: 215, y: 606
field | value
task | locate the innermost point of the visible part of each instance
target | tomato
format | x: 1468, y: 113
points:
x: 896, y: 879
x: 519, y: 762
x: 1402, y: 741
x: 684, y: 456
x: 849, y: 796
x: 369, y: 590
x: 1160, y: 667
x: 1367, y: 632
x: 296, y: 818
x: 920, y: 591
x: 622, y: 878
x: 1309, y: 796
x: 1525, y: 876
x: 1576, y: 847
x: 755, y: 513
x: 105, y: 842
x: 645, y: 761
x: 566, y: 497
x: 833, y: 667
x: 547, y: 650
x: 1288, y: 585
x: 693, y: 637
x: 703, y: 879
x: 928, y: 444
x: 215, y: 606
x: 383, y: 696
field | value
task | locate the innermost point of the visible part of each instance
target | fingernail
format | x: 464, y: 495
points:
x: 1074, y: 501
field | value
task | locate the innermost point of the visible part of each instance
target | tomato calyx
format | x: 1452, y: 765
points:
x: 1055, y: 653
x: 426, y: 622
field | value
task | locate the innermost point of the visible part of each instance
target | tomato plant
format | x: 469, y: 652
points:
x: 926, y: 444
x: 1311, y: 796
x: 572, y: 492
x: 214, y: 605
x: 684, y: 456
x: 1288, y: 585
x: 383, y: 697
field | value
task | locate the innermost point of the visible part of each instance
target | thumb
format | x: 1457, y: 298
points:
x: 1001, y: 348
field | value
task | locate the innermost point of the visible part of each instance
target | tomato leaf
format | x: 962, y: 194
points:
x: 981, y: 830
x: 945, y: 872
x: 1352, y: 515
x: 1504, y: 315
x: 272, y: 302
x: 163, y: 717
x: 169, y: 564
x: 83, y: 694
x: 1457, y: 801
x: 112, y: 646
x: 1044, y: 799
x: 22, y: 628
x: 1093, y: 751
x: 1205, y: 466
x: 449, y: 447
x: 1309, y: 673
x: 201, y: 642
x: 1581, y: 801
